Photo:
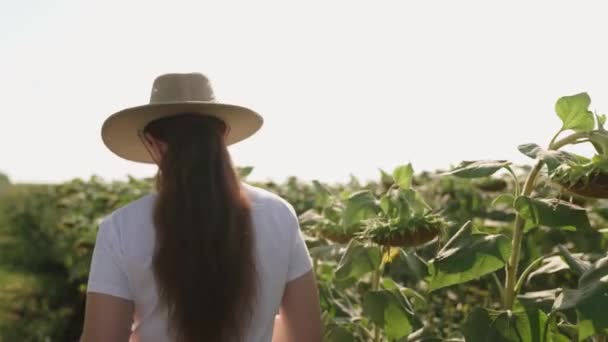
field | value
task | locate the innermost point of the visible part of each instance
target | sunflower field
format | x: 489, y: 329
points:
x: 482, y: 251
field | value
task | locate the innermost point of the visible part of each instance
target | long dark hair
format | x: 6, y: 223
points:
x: 204, y: 261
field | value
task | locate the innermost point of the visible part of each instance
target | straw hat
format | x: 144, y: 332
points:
x: 175, y: 94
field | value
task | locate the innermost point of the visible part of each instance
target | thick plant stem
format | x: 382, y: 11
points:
x: 518, y: 231
x: 518, y: 234
x: 376, y: 280
x: 571, y: 139
x: 375, y: 286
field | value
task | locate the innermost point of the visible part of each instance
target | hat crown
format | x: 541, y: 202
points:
x: 191, y: 87
x: 173, y: 94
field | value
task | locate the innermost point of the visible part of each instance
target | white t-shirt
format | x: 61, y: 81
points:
x: 121, y: 264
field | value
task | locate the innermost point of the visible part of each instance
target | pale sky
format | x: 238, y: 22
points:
x: 344, y: 86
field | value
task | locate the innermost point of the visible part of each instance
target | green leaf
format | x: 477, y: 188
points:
x: 310, y: 218
x: 574, y: 112
x: 590, y: 303
x: 463, y: 232
x: 403, y: 176
x: 389, y: 284
x: 358, y: 260
x: 359, y: 206
x: 595, y: 273
x: 468, y: 258
x: 576, y: 264
x: 396, y: 322
x: 390, y: 310
x: 478, y: 327
x: 333, y: 213
x: 394, y: 204
x: 424, y: 334
x: 542, y: 300
x: 374, y: 304
x: 484, y: 325
x: 244, y: 171
x: 601, y: 120
x: 402, y: 204
x: 339, y: 334
x: 353, y: 182
x: 414, y: 264
x: 417, y: 300
x: 590, y: 300
x: 552, y: 213
x: 385, y: 204
x: 322, y: 194
x: 416, y: 201
x: 599, y: 139
x: 326, y: 252
x: 386, y: 179
x: 506, y: 199
x: 550, y: 265
x: 553, y: 159
x: 476, y: 169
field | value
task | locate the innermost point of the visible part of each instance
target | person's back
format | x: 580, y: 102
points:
x: 206, y: 258
x: 280, y: 257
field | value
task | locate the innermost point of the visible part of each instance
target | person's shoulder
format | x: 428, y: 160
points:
x: 265, y: 198
x: 138, y: 208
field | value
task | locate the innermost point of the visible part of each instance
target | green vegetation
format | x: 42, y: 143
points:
x: 486, y: 251
x: 47, y: 233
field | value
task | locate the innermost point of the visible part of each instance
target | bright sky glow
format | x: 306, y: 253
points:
x: 344, y: 86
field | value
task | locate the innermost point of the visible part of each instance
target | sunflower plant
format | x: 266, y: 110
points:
x: 338, y: 217
x: 572, y: 314
x: 380, y: 225
x: 405, y: 219
x: 586, y: 176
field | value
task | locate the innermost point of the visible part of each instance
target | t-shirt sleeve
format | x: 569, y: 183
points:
x: 107, y: 273
x: 299, y: 260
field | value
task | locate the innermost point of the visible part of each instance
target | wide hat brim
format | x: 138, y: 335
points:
x: 120, y: 131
